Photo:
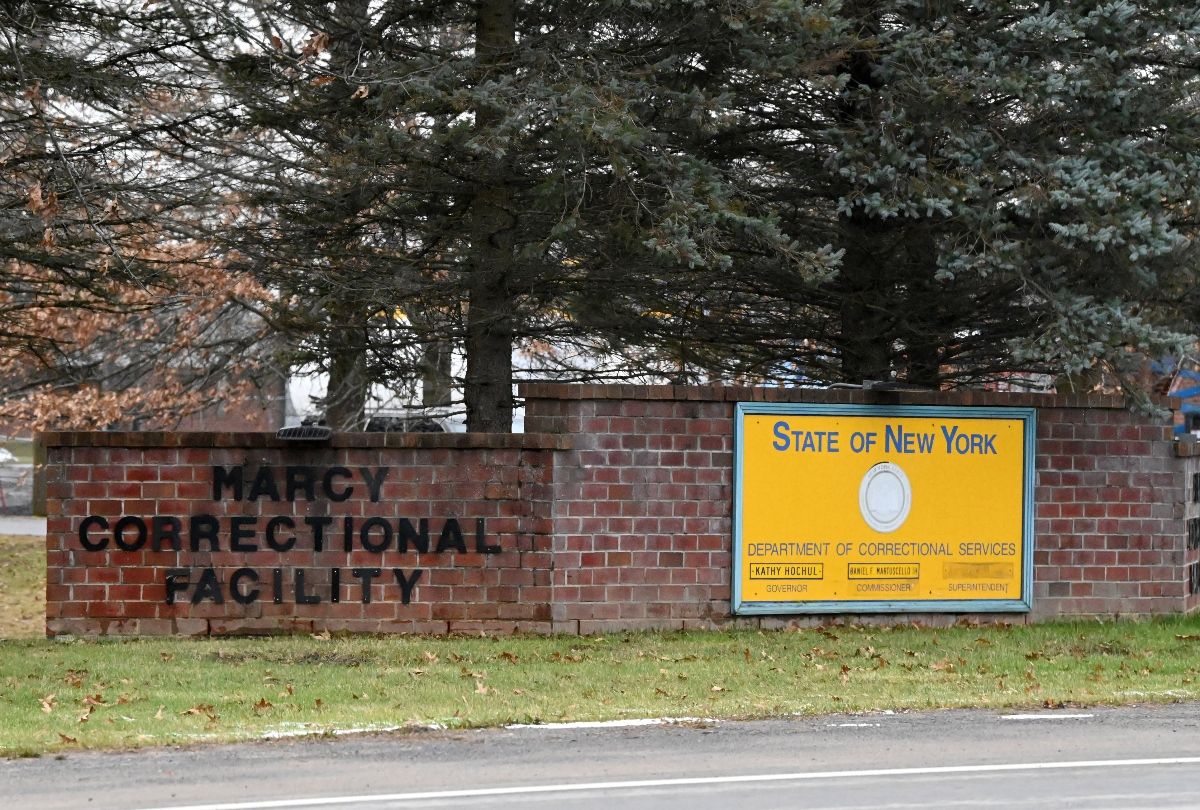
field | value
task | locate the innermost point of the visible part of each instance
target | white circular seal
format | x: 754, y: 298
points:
x: 884, y: 497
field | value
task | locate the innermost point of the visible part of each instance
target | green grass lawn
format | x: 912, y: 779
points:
x: 150, y: 692
x: 113, y: 694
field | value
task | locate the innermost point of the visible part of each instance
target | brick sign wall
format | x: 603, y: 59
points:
x: 614, y: 511
x: 198, y: 533
x: 1111, y: 507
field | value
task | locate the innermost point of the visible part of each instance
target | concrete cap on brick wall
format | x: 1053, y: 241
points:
x: 421, y: 441
x: 849, y: 396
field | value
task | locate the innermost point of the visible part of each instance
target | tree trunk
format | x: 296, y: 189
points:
x: 865, y: 331
x: 490, y: 327
x: 924, y: 323
x: 436, y: 381
x: 346, y: 396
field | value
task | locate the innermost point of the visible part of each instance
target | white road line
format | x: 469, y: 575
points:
x: 1045, y: 716
x: 331, y: 801
x: 631, y: 723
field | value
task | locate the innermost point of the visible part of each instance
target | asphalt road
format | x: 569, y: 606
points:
x: 25, y: 525
x: 1094, y: 758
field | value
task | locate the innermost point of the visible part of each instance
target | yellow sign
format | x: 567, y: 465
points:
x: 855, y: 508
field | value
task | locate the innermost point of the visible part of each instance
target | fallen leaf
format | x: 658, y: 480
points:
x: 322, y: 636
x: 48, y: 703
x: 509, y: 657
x: 158, y: 715
x: 262, y: 705
x: 166, y: 656
x: 717, y: 688
x: 199, y: 708
x: 431, y: 657
x: 67, y: 740
x: 362, y: 92
x: 94, y: 700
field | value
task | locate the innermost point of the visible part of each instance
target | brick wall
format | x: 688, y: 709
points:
x: 641, y: 510
x: 469, y: 580
x: 644, y: 524
x: 614, y: 511
x: 1110, y: 528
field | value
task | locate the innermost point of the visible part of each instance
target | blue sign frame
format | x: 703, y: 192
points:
x: 760, y: 608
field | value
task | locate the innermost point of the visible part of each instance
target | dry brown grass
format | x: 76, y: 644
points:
x: 22, y: 586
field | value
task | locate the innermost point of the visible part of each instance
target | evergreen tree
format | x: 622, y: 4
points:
x: 1016, y: 187
x: 483, y: 173
x: 944, y: 193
